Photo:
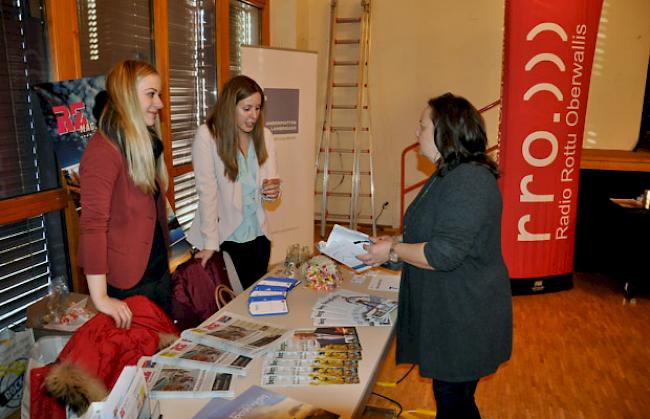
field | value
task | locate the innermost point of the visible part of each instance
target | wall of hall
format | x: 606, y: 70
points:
x: 422, y: 48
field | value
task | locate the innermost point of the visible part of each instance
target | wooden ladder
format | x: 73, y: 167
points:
x: 346, y: 186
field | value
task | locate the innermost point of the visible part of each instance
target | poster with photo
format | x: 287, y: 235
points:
x: 71, y: 109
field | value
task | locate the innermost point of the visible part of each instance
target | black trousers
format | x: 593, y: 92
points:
x: 251, y: 259
x: 157, y: 290
x: 455, y: 400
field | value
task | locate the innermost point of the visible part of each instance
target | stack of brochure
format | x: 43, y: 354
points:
x: 188, y: 354
x: 348, y: 308
x: 188, y: 369
x: 269, y: 296
x: 324, y: 355
x: 169, y: 381
x: 238, y: 334
x: 257, y: 402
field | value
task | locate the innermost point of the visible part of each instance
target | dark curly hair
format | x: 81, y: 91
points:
x: 459, y: 134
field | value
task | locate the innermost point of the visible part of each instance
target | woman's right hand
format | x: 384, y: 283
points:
x: 378, y: 251
x: 204, y: 255
x: 118, y: 310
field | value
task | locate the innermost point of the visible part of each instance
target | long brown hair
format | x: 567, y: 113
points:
x: 123, y: 122
x: 222, y: 123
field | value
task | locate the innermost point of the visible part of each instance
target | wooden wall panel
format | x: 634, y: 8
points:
x: 636, y: 161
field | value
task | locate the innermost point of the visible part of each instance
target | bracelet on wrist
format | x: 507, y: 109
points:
x: 392, y: 254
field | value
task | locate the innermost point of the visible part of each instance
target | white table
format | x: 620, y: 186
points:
x: 348, y: 400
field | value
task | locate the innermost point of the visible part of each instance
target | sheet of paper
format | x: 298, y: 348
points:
x: 384, y: 283
x: 344, y: 245
x: 358, y: 279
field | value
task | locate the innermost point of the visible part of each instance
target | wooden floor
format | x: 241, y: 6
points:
x: 582, y: 353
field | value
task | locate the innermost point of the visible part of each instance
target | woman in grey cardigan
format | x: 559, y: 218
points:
x: 455, y: 305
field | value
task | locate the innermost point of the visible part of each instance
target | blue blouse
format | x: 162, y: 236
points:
x: 250, y: 228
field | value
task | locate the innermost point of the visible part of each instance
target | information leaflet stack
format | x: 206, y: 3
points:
x: 188, y: 354
x: 269, y: 296
x: 237, y: 334
x: 169, y: 381
x: 325, y: 355
x: 348, y: 308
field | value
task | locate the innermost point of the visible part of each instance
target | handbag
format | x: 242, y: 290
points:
x: 193, y: 290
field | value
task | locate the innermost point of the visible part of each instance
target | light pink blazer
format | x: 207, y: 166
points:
x: 220, y: 200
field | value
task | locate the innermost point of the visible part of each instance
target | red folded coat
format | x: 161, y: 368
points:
x: 102, y: 350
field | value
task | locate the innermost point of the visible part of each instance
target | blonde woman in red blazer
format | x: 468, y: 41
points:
x: 123, y: 238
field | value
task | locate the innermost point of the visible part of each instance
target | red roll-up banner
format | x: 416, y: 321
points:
x: 548, y: 55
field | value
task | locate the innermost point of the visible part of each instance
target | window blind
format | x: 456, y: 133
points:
x: 245, y: 29
x: 192, y: 72
x: 192, y: 87
x: 186, y: 199
x: 23, y: 46
x: 112, y: 31
x: 32, y: 250
x: 31, y: 253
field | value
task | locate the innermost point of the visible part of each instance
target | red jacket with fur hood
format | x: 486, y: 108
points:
x: 102, y: 350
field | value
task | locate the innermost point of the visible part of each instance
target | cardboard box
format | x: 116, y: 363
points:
x: 37, y: 314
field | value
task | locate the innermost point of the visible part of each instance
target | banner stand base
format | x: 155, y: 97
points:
x: 541, y: 285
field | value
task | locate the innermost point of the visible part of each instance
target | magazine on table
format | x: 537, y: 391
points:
x: 344, y: 245
x: 169, y: 381
x: 349, y: 308
x: 370, y: 305
x: 237, y: 334
x: 333, y: 318
x: 323, y: 339
x: 311, y: 355
x: 307, y: 380
x: 316, y: 356
x: 309, y: 371
x: 322, y: 361
x: 258, y: 402
x: 188, y: 354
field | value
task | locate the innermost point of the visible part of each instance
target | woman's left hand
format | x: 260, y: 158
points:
x: 378, y: 251
x: 271, y: 189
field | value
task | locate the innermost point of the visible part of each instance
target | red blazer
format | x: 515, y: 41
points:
x: 117, y: 219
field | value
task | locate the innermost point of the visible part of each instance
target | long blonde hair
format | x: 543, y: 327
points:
x: 123, y: 122
x: 222, y: 124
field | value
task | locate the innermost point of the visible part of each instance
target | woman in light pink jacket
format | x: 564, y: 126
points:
x: 235, y: 170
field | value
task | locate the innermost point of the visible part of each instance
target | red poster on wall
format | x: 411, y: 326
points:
x: 548, y: 55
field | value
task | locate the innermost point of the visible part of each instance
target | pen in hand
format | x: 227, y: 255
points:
x: 361, y: 241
